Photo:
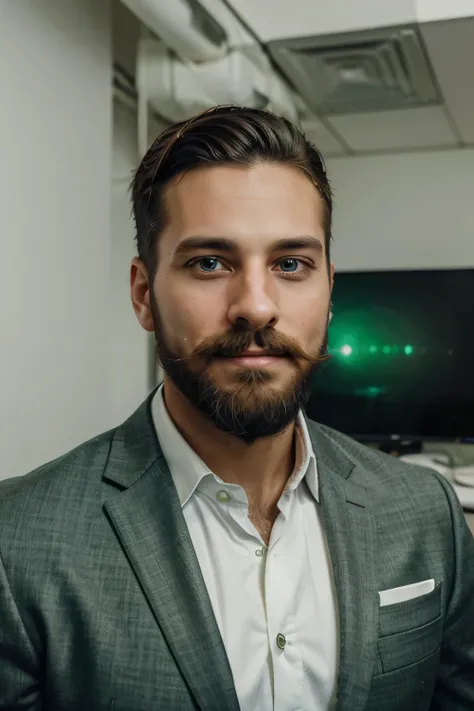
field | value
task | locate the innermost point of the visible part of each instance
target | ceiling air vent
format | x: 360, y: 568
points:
x: 375, y: 70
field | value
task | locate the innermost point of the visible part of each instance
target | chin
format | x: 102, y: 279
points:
x: 222, y: 375
x: 253, y: 390
x: 252, y: 411
x: 251, y: 382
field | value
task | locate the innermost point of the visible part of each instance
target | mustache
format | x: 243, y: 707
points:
x: 236, y: 342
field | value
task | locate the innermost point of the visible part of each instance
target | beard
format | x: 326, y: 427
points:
x: 251, y: 406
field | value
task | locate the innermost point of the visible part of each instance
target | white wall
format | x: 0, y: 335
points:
x: 129, y: 361
x: 406, y: 210
x: 55, y: 176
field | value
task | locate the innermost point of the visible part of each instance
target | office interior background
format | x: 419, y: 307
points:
x: 384, y: 90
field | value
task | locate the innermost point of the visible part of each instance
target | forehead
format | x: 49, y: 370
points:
x: 265, y: 201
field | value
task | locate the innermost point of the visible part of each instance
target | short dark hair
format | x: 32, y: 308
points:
x: 223, y: 135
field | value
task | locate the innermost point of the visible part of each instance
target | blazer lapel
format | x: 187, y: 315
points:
x: 147, y: 518
x: 348, y: 526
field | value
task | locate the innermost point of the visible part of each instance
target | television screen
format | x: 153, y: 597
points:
x: 402, y: 356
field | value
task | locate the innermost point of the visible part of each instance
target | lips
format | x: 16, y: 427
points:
x: 228, y: 353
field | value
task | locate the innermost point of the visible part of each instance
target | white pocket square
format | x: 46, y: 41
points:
x: 406, y: 592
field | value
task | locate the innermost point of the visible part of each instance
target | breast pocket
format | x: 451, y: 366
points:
x: 410, y: 631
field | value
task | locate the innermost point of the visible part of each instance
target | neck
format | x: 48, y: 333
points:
x: 262, y: 467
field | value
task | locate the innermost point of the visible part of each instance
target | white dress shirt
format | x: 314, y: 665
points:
x: 275, y: 607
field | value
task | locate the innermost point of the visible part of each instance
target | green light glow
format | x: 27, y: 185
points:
x: 386, y: 349
x: 373, y: 349
x: 408, y: 350
x: 371, y: 391
x: 346, y: 350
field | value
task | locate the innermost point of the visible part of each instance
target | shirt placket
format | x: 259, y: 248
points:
x: 283, y: 645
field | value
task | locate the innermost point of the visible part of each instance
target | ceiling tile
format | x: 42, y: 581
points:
x: 435, y: 10
x: 392, y: 130
x: 277, y: 19
x: 451, y: 49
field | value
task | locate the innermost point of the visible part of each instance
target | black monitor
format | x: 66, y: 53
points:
x: 402, y: 357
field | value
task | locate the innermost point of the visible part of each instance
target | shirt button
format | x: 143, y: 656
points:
x: 223, y: 497
x: 259, y: 552
x: 281, y: 641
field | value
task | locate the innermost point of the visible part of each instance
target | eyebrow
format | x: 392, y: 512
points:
x: 301, y: 242
x: 224, y: 244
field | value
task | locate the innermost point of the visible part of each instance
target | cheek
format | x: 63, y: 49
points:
x: 309, y: 321
x: 314, y: 334
x: 186, y: 319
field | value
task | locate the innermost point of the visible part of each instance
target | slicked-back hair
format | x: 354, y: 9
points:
x: 224, y: 135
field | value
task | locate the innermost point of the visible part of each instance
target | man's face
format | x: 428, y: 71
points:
x: 241, y: 294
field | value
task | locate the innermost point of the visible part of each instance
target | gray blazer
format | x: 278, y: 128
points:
x: 103, y: 606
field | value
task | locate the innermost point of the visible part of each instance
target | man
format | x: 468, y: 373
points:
x: 218, y: 550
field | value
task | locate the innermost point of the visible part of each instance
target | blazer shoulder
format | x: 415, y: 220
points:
x: 382, y: 472
x: 61, y: 477
x: 359, y: 453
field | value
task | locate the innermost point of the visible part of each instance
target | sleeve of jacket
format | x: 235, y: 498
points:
x: 19, y: 667
x: 454, y: 689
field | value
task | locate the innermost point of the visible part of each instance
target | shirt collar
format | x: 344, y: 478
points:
x: 187, y: 468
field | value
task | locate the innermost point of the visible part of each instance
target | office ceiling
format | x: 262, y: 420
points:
x: 309, y: 45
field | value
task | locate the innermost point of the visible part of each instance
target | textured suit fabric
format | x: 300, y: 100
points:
x: 103, y: 605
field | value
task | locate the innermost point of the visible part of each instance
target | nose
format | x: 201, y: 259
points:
x: 252, y: 300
